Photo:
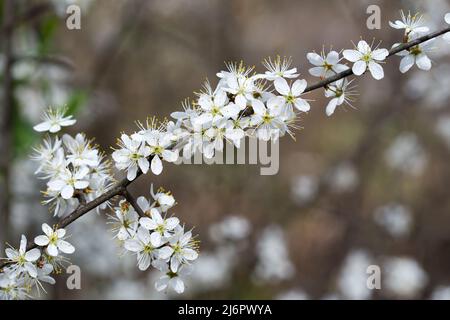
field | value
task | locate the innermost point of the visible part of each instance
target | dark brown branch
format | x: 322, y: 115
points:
x: 130, y: 198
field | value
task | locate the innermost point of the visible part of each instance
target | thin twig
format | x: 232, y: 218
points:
x: 121, y: 187
x: 130, y: 198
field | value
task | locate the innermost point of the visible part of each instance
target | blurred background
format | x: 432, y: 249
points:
x: 368, y: 186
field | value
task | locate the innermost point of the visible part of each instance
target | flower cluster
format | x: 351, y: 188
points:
x: 75, y: 169
x: 414, y: 28
x: 30, y: 266
x: 242, y: 104
x: 156, y: 239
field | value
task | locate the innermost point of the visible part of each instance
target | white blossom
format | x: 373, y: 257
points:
x: 67, y: 182
x: 416, y: 55
x: 279, y: 68
x: 364, y: 57
x: 23, y: 260
x: 54, y: 119
x: 54, y: 241
x: 413, y: 25
x: 132, y: 155
x: 325, y: 66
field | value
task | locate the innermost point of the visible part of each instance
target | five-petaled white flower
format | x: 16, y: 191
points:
x: 267, y: 121
x: 54, y: 119
x: 412, y: 24
x: 54, y: 240
x: 325, y: 66
x: 416, y: 55
x: 364, y: 58
x: 180, y: 250
x: 340, y: 92
x: 159, y: 226
x: 67, y: 182
x: 23, y: 260
x: 132, y: 155
x: 144, y: 246
x: 279, y: 68
x: 159, y: 143
x: 292, y: 94
x: 172, y: 280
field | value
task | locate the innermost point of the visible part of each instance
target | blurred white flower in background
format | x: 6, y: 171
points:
x: 304, y: 188
x: 213, y: 270
x: 395, y: 218
x: 232, y: 228
x: 406, y: 154
x: 352, y: 281
x: 293, y: 294
x: 442, y: 128
x: 403, y: 277
x: 273, y: 256
x: 343, y: 177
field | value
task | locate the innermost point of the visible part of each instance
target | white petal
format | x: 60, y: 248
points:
x: 174, y: 264
x: 447, y: 37
x: 52, y: 250
x: 314, y: 59
x: 161, y: 284
x: 406, y: 63
x: 81, y: 184
x: 352, y: 55
x: 447, y: 18
x: 333, y: 57
x: 41, y: 240
x: 177, y: 284
x: 258, y: 107
x: 359, y: 68
x: 156, y: 165
x: 41, y: 127
x: 189, y: 254
x: 423, y: 62
x: 55, y: 128
x: 33, y: 255
x: 298, y: 87
x: 240, y: 101
x: 144, y: 262
x: 11, y: 253
x: 65, y: 247
x: 132, y: 172
x: 363, y: 46
x: 317, y: 71
x: 376, y: 70
x: 282, y: 86
x: 155, y: 239
x: 143, y: 203
x: 302, y: 105
x: 171, y: 223
x: 331, y: 106
x: 47, y: 229
x: 165, y: 252
x: 380, y: 54
x: 148, y: 223
x: 31, y: 269
x: 60, y: 233
x: 133, y: 245
x: 170, y: 156
x: 67, y: 192
x: 143, y: 164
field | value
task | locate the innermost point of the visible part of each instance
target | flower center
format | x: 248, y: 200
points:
x: 415, y: 50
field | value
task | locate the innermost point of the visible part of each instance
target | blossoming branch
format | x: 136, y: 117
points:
x: 243, y: 103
